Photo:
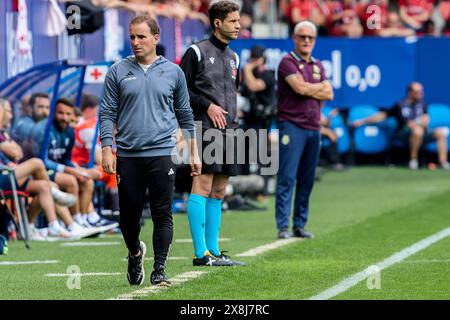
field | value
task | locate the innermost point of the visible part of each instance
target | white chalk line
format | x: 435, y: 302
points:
x: 181, y: 278
x: 397, y: 257
x: 90, y: 244
x: 177, y: 280
x: 169, y: 258
x: 267, y: 247
x: 86, y: 274
x: 428, y: 261
x: 14, y: 263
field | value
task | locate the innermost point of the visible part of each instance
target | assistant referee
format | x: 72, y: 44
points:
x: 211, y: 70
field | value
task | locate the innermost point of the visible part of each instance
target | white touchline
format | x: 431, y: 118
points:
x: 96, y: 274
x: 170, y: 258
x: 13, y: 263
x: 266, y: 247
x: 428, y: 261
x: 177, y: 280
x: 195, y: 274
x: 90, y: 244
x: 349, y: 282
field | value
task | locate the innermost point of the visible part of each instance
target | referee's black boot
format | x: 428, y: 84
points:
x: 136, y: 272
x: 211, y: 261
x: 222, y: 256
x: 158, y: 277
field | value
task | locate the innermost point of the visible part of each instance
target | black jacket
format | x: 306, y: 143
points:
x: 211, y: 70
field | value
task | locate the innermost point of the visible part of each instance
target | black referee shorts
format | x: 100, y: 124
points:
x: 224, y: 161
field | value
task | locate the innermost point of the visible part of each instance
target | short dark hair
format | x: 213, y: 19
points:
x: 257, y: 51
x: 66, y: 102
x: 88, y: 101
x: 151, y: 23
x: 36, y: 95
x: 220, y: 10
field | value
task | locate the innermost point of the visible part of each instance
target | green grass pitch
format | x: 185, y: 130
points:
x: 360, y: 217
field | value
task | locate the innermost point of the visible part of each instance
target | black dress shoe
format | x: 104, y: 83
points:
x: 301, y: 233
x: 283, y: 234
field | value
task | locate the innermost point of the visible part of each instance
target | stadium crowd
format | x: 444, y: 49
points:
x: 340, y: 18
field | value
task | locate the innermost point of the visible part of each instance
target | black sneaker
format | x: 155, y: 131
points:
x: 211, y: 261
x: 302, y: 233
x: 283, y: 234
x: 222, y: 256
x: 136, y: 272
x: 158, y: 278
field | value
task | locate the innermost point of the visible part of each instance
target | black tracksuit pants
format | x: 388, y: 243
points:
x: 134, y: 177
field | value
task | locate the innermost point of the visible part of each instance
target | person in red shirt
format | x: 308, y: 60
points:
x: 416, y: 13
x: 81, y: 152
x: 85, y: 131
x: 343, y: 19
x: 313, y: 10
x: 444, y: 9
x: 387, y: 24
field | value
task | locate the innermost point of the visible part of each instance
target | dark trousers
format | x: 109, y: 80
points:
x: 134, y: 177
x: 299, y: 153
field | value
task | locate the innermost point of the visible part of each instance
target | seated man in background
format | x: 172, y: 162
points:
x: 85, y: 132
x: 69, y: 177
x: 82, y: 149
x: 39, y: 104
x: 32, y: 177
x: 412, y: 118
x: 26, y: 132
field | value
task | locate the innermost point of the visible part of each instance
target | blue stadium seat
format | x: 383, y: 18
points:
x: 338, y: 126
x: 368, y: 139
x: 439, y: 117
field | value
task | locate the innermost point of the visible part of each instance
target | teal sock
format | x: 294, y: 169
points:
x: 213, y: 219
x: 196, y: 212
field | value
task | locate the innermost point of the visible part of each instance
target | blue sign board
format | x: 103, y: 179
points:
x: 370, y: 70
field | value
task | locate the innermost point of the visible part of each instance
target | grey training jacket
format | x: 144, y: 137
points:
x: 145, y: 107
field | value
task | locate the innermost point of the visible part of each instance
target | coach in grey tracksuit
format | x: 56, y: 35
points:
x: 145, y: 98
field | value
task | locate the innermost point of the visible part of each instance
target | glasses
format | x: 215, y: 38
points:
x: 304, y: 37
